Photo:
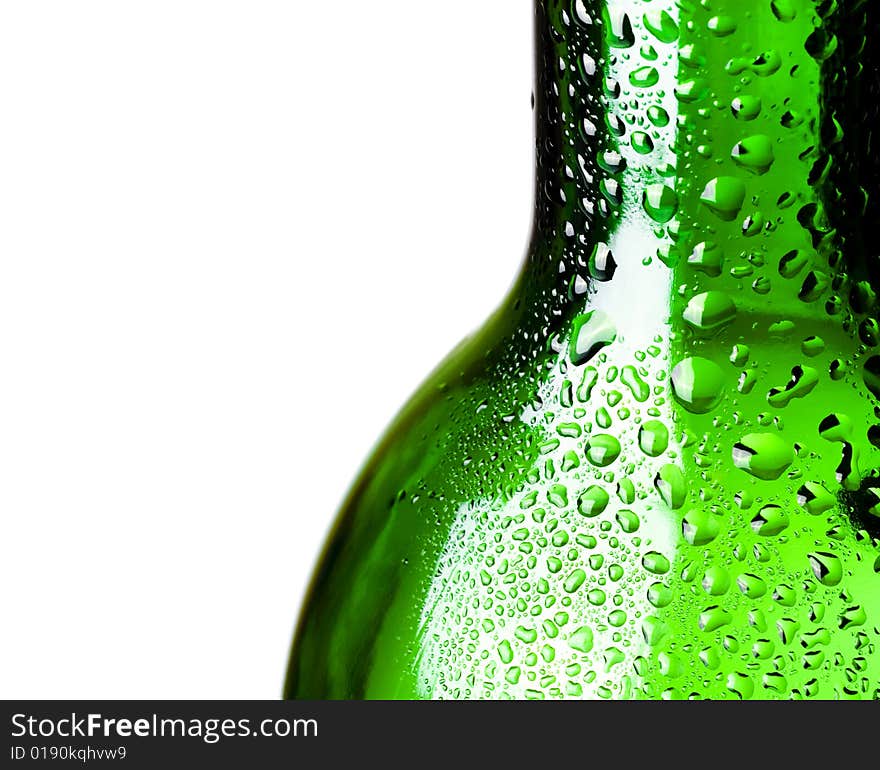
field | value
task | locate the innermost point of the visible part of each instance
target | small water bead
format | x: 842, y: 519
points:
x: 591, y: 332
x: 724, y: 196
x: 763, y: 455
x: 710, y: 311
x: 746, y: 107
x: 697, y: 384
x: 754, y: 154
x: 593, y: 501
x: 660, y: 202
x: 653, y: 438
x: 603, y: 449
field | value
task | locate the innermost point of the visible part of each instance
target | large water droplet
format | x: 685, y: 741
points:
x: 700, y: 526
x: 661, y: 25
x: 710, y: 311
x: 603, y: 449
x: 653, y: 438
x: 602, y: 265
x: 784, y: 10
x: 754, y: 153
x: 827, y: 568
x: 660, y: 202
x: 770, y: 521
x: 763, y: 455
x: 746, y: 107
x: 590, y: 333
x: 644, y: 77
x: 724, y: 196
x: 593, y: 501
x: 697, y: 383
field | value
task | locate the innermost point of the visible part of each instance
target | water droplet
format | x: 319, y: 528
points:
x: 671, y: 485
x: 813, y: 346
x: 601, y: 264
x: 628, y: 521
x: 813, y: 497
x: 792, y: 263
x: 707, y: 257
x: 658, y: 116
x: 763, y: 455
x: 590, y: 333
x: 661, y: 25
x: 644, y: 77
x: 603, y: 449
x: 660, y: 202
x: 746, y: 107
x: 784, y: 10
x: 713, y: 618
x: 827, y: 568
x: 700, y: 526
x: 770, y: 521
x: 641, y: 142
x: 656, y: 563
x: 751, y: 586
x: 803, y: 380
x: 739, y: 355
x: 754, y: 154
x: 697, y: 383
x: 724, y: 196
x: 593, y: 501
x: 581, y: 639
x: 574, y: 581
x: 618, y: 29
x: 836, y: 427
x: 653, y: 438
x: 722, y: 26
x: 710, y: 311
x: 716, y: 581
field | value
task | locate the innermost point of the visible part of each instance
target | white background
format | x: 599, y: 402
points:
x: 234, y: 236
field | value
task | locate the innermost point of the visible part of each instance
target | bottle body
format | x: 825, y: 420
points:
x: 652, y: 473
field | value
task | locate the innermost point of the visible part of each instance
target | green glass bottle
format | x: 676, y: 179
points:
x: 655, y: 471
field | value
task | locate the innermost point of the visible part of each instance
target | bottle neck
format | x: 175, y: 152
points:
x: 715, y: 146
